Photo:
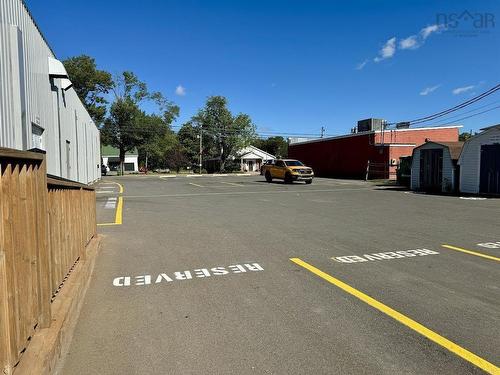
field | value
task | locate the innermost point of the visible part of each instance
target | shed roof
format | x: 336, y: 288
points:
x: 491, y: 127
x: 455, y: 148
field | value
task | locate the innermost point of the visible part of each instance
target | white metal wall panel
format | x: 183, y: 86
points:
x: 470, y: 159
x: 27, y: 96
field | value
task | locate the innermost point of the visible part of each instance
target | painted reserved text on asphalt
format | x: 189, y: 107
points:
x: 384, y: 256
x: 186, y: 275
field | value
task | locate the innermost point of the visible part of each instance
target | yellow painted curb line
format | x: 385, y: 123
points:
x: 119, y: 209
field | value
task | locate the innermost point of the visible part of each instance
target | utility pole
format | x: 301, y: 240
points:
x: 201, y: 147
x: 322, y: 131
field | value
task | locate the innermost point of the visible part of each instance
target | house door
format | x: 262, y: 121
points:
x: 250, y: 165
x: 431, y: 169
x: 490, y: 169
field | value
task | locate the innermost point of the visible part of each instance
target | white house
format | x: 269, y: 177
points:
x: 480, y: 162
x: 434, y: 166
x: 38, y: 106
x: 111, y: 158
x: 251, y: 158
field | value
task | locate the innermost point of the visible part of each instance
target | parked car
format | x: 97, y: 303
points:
x: 288, y: 170
x: 104, y: 169
x: 267, y: 162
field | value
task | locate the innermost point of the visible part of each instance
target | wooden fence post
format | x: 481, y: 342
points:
x: 43, y: 253
x: 7, y: 339
x: 81, y: 227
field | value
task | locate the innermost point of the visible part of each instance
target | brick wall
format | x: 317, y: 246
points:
x: 348, y: 156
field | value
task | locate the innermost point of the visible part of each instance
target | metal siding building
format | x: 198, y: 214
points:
x: 473, y: 167
x: 38, y: 109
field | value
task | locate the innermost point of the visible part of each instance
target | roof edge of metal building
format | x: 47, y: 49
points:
x: 37, y: 27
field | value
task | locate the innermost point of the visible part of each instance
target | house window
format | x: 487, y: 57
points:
x: 37, y: 137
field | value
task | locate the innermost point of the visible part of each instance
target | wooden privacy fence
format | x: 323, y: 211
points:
x: 45, y: 225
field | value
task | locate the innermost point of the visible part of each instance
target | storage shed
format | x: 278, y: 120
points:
x: 480, y: 163
x: 434, y: 167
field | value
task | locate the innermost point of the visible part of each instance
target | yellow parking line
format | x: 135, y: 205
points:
x: 119, y: 209
x: 471, y: 252
x: 417, y: 327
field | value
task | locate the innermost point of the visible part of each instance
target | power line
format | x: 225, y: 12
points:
x: 476, y: 114
x: 469, y: 111
x: 455, y: 108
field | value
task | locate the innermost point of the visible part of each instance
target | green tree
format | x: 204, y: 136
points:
x: 223, y: 133
x: 188, y: 136
x: 91, y: 84
x: 276, y: 146
x: 465, y: 136
x: 176, y: 157
x: 127, y: 126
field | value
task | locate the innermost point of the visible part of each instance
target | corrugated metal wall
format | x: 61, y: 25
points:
x: 30, y: 99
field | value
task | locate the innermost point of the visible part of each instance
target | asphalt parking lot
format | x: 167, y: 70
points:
x: 225, y: 275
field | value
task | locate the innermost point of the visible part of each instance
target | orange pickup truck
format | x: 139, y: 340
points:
x: 288, y: 170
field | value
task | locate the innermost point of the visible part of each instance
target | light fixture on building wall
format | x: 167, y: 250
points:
x: 57, y: 70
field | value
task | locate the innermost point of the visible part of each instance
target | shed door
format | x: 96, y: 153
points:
x: 431, y: 169
x: 490, y: 169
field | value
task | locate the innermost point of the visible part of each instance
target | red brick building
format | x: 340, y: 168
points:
x: 349, y: 155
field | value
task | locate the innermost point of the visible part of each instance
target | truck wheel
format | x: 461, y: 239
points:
x: 288, y: 178
x: 268, y: 177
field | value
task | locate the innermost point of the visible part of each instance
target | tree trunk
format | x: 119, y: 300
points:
x: 122, y: 160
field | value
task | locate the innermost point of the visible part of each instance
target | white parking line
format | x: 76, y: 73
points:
x: 191, y: 183
x: 110, y: 203
x: 231, y: 183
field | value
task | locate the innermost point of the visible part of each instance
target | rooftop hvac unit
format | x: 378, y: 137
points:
x: 370, y: 124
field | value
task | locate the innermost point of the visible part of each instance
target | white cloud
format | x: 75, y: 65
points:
x: 428, y: 90
x: 427, y: 31
x: 409, y: 43
x: 461, y: 90
x: 180, y: 90
x: 387, y: 51
x: 361, y: 65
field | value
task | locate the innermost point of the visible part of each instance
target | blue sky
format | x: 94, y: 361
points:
x: 293, y: 66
